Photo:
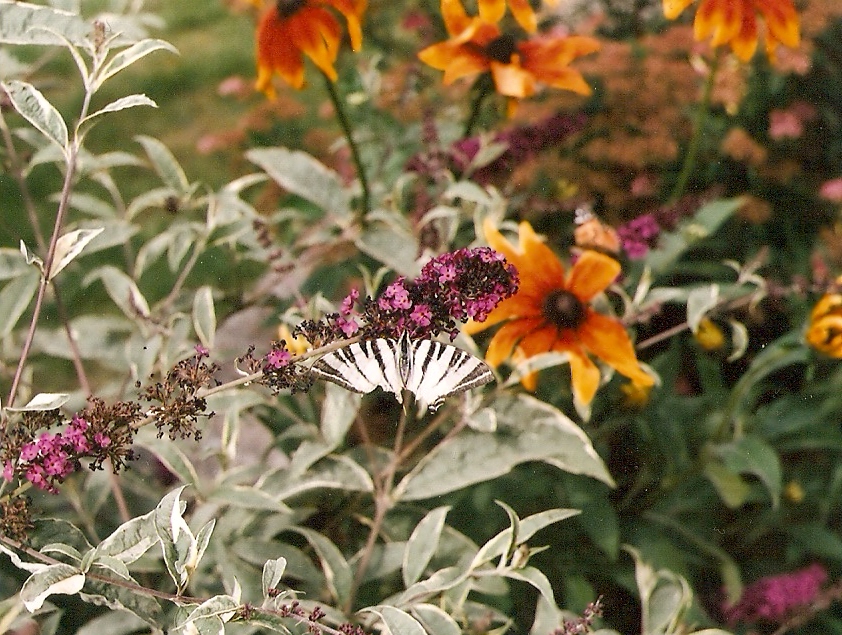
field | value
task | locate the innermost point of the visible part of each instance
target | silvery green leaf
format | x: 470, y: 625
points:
x: 396, y: 248
x: 246, y: 497
x: 273, y: 571
x: 332, y: 472
x: 173, y: 458
x: 339, y: 410
x: 44, y: 401
x: 221, y: 606
x: 25, y: 23
x: 699, y: 302
x: 739, y: 340
x: 54, y: 579
x: 303, y: 175
x: 336, y: 569
x: 15, y: 298
x: 269, y: 621
x: 204, y: 316
x: 435, y: 620
x: 751, y: 454
x: 528, y: 430
x: 11, y: 67
x: 123, y: 103
x: 130, y: 540
x: 534, y: 577
x: 165, y: 164
x: 12, y: 263
x: 113, y: 623
x: 396, y: 621
x: 30, y: 257
x: 122, y: 290
x: 129, y: 56
x: 526, y: 528
x: 69, y: 246
x: 177, y: 541
x: 112, y: 564
x: 119, y: 598
x: 422, y: 544
x: 32, y: 567
x: 37, y: 110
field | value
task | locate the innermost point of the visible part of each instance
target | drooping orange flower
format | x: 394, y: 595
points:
x: 824, y: 332
x: 517, y: 66
x: 734, y: 22
x: 290, y: 29
x: 551, y: 312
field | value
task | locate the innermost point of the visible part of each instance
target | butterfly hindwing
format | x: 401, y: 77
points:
x: 431, y: 370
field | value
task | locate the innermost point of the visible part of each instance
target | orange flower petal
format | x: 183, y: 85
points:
x: 673, y: 8
x: 316, y: 33
x: 455, y: 18
x: 512, y: 80
x: 584, y: 376
x: 510, y: 334
x: 781, y: 21
x: 592, y: 274
x: 491, y: 10
x: 744, y: 44
x: 607, y: 338
x: 524, y: 14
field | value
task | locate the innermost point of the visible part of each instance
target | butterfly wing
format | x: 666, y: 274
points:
x: 440, y: 370
x: 362, y: 367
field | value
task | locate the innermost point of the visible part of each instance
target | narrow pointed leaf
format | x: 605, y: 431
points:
x: 37, y: 110
x: 69, y: 246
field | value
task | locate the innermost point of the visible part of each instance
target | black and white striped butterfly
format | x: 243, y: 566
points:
x: 430, y: 370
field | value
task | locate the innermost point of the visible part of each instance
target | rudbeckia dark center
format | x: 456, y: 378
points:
x: 564, y: 309
x: 501, y: 48
x: 286, y: 8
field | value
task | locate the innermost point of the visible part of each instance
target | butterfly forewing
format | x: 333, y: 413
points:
x: 362, y: 367
x: 440, y: 370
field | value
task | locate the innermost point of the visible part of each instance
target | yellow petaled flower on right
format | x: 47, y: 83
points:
x: 825, y: 330
x: 734, y: 22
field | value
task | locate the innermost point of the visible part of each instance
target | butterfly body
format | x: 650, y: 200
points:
x: 430, y: 370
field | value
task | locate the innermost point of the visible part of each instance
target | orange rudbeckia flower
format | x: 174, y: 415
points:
x: 825, y: 330
x: 734, y: 22
x: 551, y: 312
x: 290, y: 29
x: 493, y: 11
x: 477, y: 45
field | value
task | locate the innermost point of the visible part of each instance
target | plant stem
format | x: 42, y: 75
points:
x: 702, y: 111
x: 345, y: 123
x: 482, y: 89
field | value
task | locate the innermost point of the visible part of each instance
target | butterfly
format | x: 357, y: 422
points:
x: 430, y: 370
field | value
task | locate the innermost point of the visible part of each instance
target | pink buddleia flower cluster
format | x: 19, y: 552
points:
x: 452, y: 288
x: 774, y: 598
x: 46, y: 459
x: 639, y: 235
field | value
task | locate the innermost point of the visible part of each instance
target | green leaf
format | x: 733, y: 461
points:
x: 173, y: 458
x: 534, y: 577
x: 165, y: 164
x: 527, y: 527
x: 273, y: 571
x: 177, y: 541
x: 336, y: 569
x: 435, y: 621
x: 699, y: 302
x: 395, y: 621
x: 397, y: 248
x: 332, y: 472
x: 752, y: 455
x: 15, y: 298
x: 129, y: 56
x: 129, y: 101
x: 730, y: 486
x: 113, y: 623
x: 204, y: 316
x: 529, y: 430
x: 303, y: 175
x: 37, y: 110
x: 221, y: 606
x: 422, y: 544
x: 12, y: 263
x: 339, y: 410
x: 122, y: 290
x: 43, y: 401
x: 69, y: 246
x: 131, y: 539
x: 246, y: 497
x: 25, y: 23
x: 119, y: 598
x: 54, y: 579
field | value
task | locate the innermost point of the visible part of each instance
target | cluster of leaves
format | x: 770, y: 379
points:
x: 306, y: 508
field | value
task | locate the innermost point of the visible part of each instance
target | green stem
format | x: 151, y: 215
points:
x: 345, y: 123
x: 702, y: 110
x: 482, y: 88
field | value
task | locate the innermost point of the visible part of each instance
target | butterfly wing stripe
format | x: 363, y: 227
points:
x: 387, y: 355
x: 447, y: 370
x: 343, y: 368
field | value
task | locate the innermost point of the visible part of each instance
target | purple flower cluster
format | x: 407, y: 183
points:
x: 50, y: 459
x: 522, y: 143
x: 772, y: 599
x: 639, y: 235
x: 452, y: 288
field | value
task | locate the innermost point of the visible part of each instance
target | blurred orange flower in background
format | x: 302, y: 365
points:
x: 734, y: 22
x: 290, y: 29
x: 477, y: 45
x: 551, y: 312
x: 824, y: 332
